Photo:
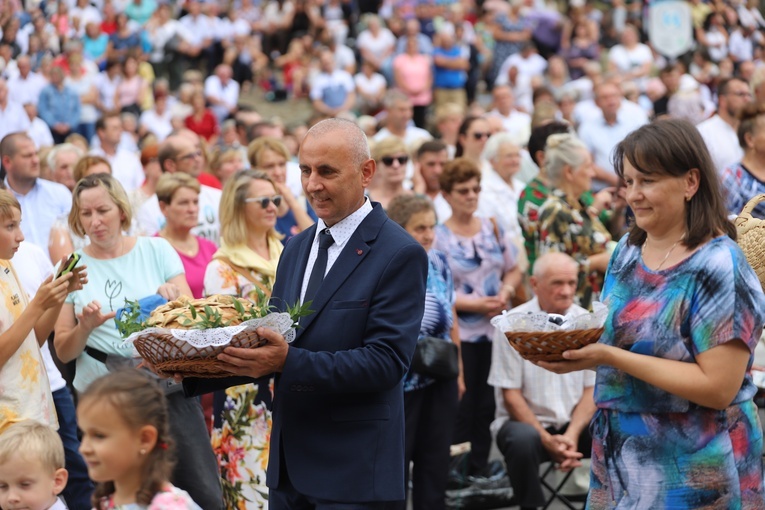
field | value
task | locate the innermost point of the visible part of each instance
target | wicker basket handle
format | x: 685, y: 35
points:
x: 744, y: 222
x: 752, y: 203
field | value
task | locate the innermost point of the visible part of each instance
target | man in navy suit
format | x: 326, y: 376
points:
x: 338, y: 412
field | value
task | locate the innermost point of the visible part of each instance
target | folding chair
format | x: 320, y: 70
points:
x: 567, y: 500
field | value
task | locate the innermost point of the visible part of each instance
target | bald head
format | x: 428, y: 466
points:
x: 554, y: 281
x: 356, y: 140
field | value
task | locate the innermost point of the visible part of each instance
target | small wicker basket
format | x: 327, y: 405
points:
x: 751, y: 237
x: 550, y: 346
x: 170, y: 355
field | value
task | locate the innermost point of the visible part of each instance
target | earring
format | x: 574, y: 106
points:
x: 142, y: 451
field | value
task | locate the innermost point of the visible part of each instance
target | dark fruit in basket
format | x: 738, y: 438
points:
x: 555, y: 319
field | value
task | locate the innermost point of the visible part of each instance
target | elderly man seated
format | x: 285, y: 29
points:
x: 541, y: 416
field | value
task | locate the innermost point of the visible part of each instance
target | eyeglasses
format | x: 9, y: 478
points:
x: 740, y: 94
x: 478, y: 136
x: 388, y: 160
x: 264, y: 201
x: 192, y: 155
x: 465, y: 191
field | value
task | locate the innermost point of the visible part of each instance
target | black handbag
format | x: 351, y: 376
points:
x: 436, y: 358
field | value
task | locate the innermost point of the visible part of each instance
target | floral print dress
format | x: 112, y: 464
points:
x: 572, y: 230
x: 242, y: 414
x: 655, y: 450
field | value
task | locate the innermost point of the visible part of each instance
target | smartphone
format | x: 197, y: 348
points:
x: 68, y: 265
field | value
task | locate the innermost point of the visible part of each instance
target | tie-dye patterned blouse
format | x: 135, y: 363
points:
x: 655, y: 450
x: 24, y: 387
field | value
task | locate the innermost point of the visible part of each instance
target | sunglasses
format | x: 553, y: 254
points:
x: 264, y: 201
x: 465, y: 191
x: 388, y: 160
x: 478, y: 136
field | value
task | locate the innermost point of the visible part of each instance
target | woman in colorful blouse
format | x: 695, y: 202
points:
x: 485, y: 272
x: 178, y: 196
x: 565, y: 224
x: 245, y: 266
x: 746, y: 179
x: 675, y: 426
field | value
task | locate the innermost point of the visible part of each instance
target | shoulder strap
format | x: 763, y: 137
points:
x: 248, y: 275
x: 496, y: 228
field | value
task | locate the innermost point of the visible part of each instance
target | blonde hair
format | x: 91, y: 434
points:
x: 388, y: 146
x: 116, y: 193
x: 34, y: 440
x: 233, y: 221
x: 8, y: 201
x: 85, y: 163
x: 221, y: 156
x: 561, y: 150
x: 265, y: 143
x: 168, y: 184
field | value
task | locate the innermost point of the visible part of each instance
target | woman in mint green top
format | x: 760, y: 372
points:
x: 125, y: 267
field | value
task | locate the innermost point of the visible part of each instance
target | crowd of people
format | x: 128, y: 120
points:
x: 462, y: 159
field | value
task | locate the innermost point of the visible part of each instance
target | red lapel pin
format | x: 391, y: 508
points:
x: 359, y: 252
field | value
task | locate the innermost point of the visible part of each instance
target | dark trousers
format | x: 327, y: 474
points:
x: 287, y: 498
x: 476, y: 409
x: 522, y: 449
x: 430, y: 414
x: 79, y: 488
x: 196, y: 470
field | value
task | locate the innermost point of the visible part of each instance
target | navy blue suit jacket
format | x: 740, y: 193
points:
x: 338, y: 409
x: 338, y: 413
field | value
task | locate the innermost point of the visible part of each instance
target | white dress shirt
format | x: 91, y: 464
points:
x: 341, y: 232
x: 722, y: 142
x: 40, y: 208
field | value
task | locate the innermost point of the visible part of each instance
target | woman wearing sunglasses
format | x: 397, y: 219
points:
x: 485, y: 274
x: 388, y: 183
x: 178, y: 196
x: 271, y: 156
x: 245, y: 266
x: 472, y: 136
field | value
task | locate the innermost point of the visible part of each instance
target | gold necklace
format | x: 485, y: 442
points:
x: 669, y: 252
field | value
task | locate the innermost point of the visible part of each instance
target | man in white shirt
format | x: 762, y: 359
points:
x: 126, y: 167
x: 719, y: 131
x: 42, y: 202
x: 13, y: 118
x: 429, y: 164
x: 222, y: 92
x: 528, y: 62
x: 38, y: 130
x: 514, y: 122
x: 26, y: 87
x: 178, y: 154
x: 398, y: 120
x: 541, y: 416
x: 601, y: 134
x: 332, y: 90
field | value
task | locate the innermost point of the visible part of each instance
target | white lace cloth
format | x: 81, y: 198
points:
x: 216, y: 337
x: 542, y: 321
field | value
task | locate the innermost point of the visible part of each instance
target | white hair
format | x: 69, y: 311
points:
x: 561, y: 150
x: 62, y: 149
x: 496, y: 141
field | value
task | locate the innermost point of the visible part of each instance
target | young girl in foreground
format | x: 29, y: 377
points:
x: 126, y: 444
